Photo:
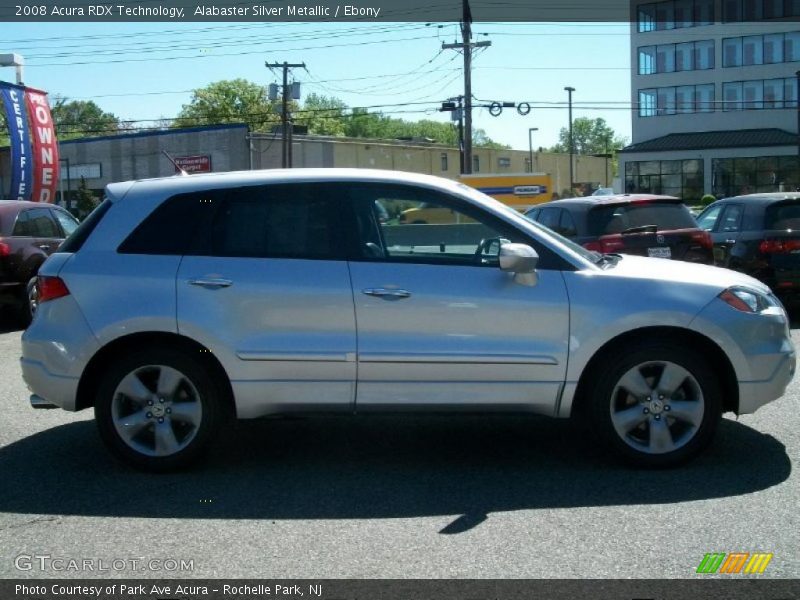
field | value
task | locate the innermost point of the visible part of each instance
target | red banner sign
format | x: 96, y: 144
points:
x: 194, y: 164
x: 45, y: 147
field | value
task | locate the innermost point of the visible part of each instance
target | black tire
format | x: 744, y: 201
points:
x: 613, y: 407
x: 193, y: 439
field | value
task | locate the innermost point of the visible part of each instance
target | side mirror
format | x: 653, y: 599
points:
x: 521, y: 260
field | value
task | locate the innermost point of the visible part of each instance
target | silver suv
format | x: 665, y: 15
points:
x: 184, y: 300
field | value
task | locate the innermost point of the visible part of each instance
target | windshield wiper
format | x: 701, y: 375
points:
x: 641, y: 229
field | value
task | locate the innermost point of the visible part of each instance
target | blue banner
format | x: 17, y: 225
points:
x: 21, y: 159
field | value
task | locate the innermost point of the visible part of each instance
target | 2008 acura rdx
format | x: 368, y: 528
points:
x: 182, y: 300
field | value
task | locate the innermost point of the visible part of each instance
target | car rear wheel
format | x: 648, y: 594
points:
x: 657, y: 404
x: 157, y: 410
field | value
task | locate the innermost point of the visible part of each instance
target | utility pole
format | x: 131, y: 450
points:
x: 286, y: 134
x: 466, y: 46
x: 569, y: 90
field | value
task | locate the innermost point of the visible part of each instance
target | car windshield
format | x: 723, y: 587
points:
x: 783, y: 215
x: 618, y: 218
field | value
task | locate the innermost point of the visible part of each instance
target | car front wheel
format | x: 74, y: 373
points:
x: 657, y: 404
x: 157, y: 410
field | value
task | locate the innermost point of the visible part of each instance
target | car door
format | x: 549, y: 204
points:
x: 267, y: 288
x: 726, y: 233
x: 707, y: 220
x: 439, y: 324
x: 44, y: 228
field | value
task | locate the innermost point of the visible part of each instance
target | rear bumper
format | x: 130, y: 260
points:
x: 49, y: 388
x: 10, y: 292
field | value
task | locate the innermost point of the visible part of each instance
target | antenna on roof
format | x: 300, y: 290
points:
x: 181, y: 172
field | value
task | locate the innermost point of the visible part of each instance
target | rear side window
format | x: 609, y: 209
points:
x: 783, y: 215
x: 277, y: 221
x: 75, y: 241
x: 171, y: 227
x: 618, y: 218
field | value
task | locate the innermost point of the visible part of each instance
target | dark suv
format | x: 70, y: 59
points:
x: 29, y: 233
x: 759, y: 234
x: 641, y: 224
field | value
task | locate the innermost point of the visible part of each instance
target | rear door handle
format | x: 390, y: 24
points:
x: 730, y: 241
x: 386, y: 293
x: 212, y: 283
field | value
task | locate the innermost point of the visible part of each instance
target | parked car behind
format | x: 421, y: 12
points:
x: 640, y: 224
x: 758, y: 234
x: 182, y: 300
x: 29, y: 233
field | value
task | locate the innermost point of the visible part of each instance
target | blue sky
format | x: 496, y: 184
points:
x: 144, y: 71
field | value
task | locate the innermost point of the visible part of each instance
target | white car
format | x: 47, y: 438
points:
x: 182, y: 300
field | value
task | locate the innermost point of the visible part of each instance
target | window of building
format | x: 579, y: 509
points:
x: 684, y: 57
x: 732, y: 52
x: 444, y: 161
x: 503, y: 162
x: 684, y: 96
x: 647, y: 17
x: 684, y: 13
x: 752, y: 10
x: 753, y: 50
x: 704, y: 12
x: 791, y: 8
x: 528, y: 166
x: 647, y: 60
x: 735, y: 176
x: 790, y: 93
x: 666, y: 101
x: 753, y: 94
x: 665, y: 15
x: 647, y: 103
x: 681, y: 178
x: 791, y: 47
x: 773, y: 93
x: 476, y: 164
x: 731, y: 11
x: 732, y: 96
x: 704, y: 54
x: 705, y: 97
x: 773, y: 48
x: 773, y: 9
x: 665, y: 58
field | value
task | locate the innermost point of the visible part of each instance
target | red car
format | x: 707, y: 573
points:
x: 643, y: 224
x: 29, y: 233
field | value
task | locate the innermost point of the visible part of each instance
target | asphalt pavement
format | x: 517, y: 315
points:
x: 381, y: 497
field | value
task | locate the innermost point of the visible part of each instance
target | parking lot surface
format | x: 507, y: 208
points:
x: 466, y: 497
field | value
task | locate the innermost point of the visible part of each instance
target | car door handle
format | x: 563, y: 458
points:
x: 211, y: 282
x: 388, y: 294
x: 730, y: 241
x: 44, y: 246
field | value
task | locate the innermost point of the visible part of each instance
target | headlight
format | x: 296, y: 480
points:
x: 747, y: 300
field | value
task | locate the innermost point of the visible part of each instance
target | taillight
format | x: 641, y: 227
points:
x: 51, y: 288
x: 703, y: 238
x: 606, y: 244
x: 779, y: 246
x: 5, y: 249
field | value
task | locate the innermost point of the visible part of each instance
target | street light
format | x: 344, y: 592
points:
x: 530, y: 144
x: 13, y: 60
x: 569, y: 91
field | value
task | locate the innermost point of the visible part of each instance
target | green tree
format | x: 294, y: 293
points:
x: 231, y: 101
x: 590, y: 136
x: 82, y: 118
x: 86, y: 200
x: 322, y: 115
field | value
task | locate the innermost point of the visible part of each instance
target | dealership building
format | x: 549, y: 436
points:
x: 217, y: 148
x: 714, y: 90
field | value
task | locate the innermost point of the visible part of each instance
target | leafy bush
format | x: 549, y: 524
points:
x: 707, y: 199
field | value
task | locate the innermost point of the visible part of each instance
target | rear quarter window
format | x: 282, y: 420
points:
x: 617, y: 218
x: 75, y: 241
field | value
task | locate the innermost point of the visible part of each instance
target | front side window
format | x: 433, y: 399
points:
x: 708, y: 219
x: 36, y: 223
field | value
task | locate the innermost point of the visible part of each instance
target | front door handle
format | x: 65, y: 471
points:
x: 211, y: 283
x: 388, y: 294
x: 730, y: 242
